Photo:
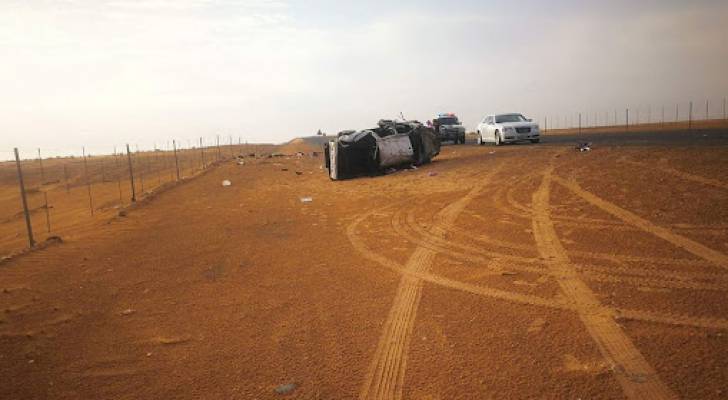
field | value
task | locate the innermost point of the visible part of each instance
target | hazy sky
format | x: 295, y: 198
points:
x: 105, y: 72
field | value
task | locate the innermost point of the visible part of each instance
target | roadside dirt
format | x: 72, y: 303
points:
x: 528, y: 271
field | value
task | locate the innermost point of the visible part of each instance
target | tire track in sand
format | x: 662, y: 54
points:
x: 698, y: 249
x: 637, y: 378
x: 385, y: 377
x: 680, y: 174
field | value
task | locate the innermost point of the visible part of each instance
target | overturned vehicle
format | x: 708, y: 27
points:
x: 371, y: 152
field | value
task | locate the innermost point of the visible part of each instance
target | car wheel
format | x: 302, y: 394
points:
x: 480, y: 139
x: 535, y: 140
x: 497, y: 139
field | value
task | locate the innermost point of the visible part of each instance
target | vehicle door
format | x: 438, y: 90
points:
x: 490, y: 128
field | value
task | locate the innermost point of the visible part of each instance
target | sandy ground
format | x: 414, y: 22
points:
x: 515, y: 272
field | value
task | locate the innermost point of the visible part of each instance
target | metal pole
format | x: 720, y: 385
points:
x: 219, y: 155
x: 28, y: 226
x: 171, y: 170
x: 202, y: 149
x: 131, y: 174
x: 677, y: 109
x: 579, y: 123
x: 232, y: 154
x: 626, y: 119
x: 690, y: 117
x: 88, y: 183
x: 47, y: 213
x: 662, y: 122
x: 706, y: 109
x: 724, y: 108
x: 42, y: 173
x: 176, y: 161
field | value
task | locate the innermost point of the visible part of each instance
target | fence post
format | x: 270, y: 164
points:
x: 706, y: 109
x: 579, y: 123
x: 724, y: 108
x: 662, y: 121
x: 690, y: 117
x: 626, y: 119
x: 219, y: 155
x: 176, y: 161
x: 171, y: 170
x: 131, y: 174
x: 677, y: 114
x: 47, y: 212
x: 42, y: 173
x: 88, y: 183
x: 202, y: 149
x: 28, y: 226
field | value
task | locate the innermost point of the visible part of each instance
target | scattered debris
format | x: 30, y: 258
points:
x: 299, y: 173
x: 509, y: 273
x: 284, y: 169
x: 122, y: 213
x: 286, y: 389
x: 537, y: 325
x: 584, y: 146
x: 306, y: 199
x: 226, y: 183
x: 173, y: 340
x: 433, y: 173
x: 128, y: 311
x: 491, y: 152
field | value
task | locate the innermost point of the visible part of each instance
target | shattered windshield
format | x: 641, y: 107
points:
x: 449, y: 121
x: 509, y: 118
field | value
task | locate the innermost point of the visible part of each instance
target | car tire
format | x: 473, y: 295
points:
x: 535, y: 140
x: 497, y: 139
x: 480, y: 139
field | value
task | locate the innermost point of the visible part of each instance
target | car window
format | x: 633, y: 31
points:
x: 509, y: 118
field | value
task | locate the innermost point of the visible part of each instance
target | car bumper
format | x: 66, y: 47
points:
x: 519, y: 137
x: 451, y: 135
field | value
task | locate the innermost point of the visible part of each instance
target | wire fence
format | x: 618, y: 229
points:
x: 42, y: 197
x: 45, y: 197
x: 675, y: 116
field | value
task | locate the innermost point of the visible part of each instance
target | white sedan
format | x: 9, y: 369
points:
x: 507, y: 128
